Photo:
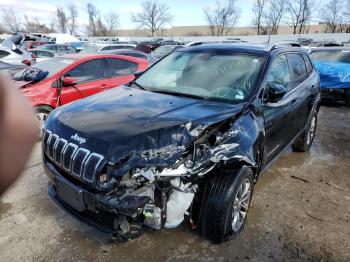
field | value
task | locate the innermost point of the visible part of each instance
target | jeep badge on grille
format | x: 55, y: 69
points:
x: 78, y: 138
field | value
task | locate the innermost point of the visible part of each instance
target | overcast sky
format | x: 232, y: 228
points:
x: 185, y: 12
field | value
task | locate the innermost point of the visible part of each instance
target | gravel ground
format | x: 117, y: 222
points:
x: 300, y: 211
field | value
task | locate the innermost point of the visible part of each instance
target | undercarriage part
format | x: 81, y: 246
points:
x: 129, y: 204
x: 125, y: 230
x: 153, y: 216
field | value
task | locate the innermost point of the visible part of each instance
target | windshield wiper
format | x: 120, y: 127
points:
x: 176, y: 94
x: 138, y: 85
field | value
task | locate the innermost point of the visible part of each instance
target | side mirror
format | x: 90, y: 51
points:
x: 68, y: 81
x: 275, y: 92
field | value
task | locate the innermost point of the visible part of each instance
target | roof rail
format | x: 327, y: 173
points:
x: 280, y: 45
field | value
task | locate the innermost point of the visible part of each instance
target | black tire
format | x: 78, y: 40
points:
x: 216, y: 218
x: 347, y: 97
x: 42, y: 111
x: 304, y: 142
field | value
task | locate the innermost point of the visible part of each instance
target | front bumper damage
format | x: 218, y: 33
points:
x: 153, y: 188
x: 98, y: 210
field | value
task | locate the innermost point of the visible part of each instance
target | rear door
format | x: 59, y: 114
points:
x: 121, y: 71
x: 279, y: 116
x: 91, y: 77
x: 303, y: 84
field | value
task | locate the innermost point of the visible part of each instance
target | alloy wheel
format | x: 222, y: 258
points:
x: 241, y: 204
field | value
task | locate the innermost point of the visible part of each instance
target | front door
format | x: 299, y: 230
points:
x: 279, y: 117
x: 91, y: 77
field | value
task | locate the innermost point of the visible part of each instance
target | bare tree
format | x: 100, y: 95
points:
x: 153, y: 15
x: 93, y: 16
x: 112, y: 22
x: 298, y: 14
x: 33, y: 25
x: 61, y: 20
x: 223, y: 17
x: 273, y: 15
x: 11, y: 20
x: 346, y: 15
x: 210, y: 18
x: 72, y: 19
x: 331, y: 15
x: 101, y: 29
x: 258, y: 11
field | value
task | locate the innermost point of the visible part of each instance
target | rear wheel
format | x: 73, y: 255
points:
x: 226, y: 203
x: 304, y: 142
x: 347, y: 97
x: 41, y: 115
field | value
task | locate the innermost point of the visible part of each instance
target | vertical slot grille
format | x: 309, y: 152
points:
x: 76, y: 161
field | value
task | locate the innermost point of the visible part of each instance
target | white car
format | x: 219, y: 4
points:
x: 12, y: 51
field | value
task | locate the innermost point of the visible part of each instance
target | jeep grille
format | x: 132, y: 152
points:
x: 79, y: 162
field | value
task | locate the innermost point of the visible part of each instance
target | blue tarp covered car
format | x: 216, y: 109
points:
x: 333, y: 65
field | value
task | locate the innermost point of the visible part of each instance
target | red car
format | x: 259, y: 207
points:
x: 72, y: 77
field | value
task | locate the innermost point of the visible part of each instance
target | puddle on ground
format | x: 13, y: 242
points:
x: 4, y: 208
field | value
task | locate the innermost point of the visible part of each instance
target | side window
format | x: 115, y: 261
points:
x: 44, y: 54
x: 88, y: 71
x: 3, y: 53
x: 298, y: 68
x: 107, y: 48
x: 119, y: 67
x: 51, y: 47
x: 309, y: 67
x: 279, y: 73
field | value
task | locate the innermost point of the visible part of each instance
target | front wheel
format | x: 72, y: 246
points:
x: 41, y: 115
x: 304, y: 142
x: 226, y: 203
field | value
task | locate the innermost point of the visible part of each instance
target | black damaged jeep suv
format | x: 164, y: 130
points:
x: 188, y: 138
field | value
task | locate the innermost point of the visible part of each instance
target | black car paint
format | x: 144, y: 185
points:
x: 133, y: 128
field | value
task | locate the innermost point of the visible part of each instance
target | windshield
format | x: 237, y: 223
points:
x: 342, y: 56
x: 52, y: 65
x: 209, y: 76
x: 90, y: 49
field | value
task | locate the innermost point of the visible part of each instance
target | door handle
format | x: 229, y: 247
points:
x: 294, y: 101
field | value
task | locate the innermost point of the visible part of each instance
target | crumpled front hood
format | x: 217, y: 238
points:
x: 125, y: 120
x: 333, y: 74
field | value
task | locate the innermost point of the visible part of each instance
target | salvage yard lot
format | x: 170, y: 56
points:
x: 300, y: 210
